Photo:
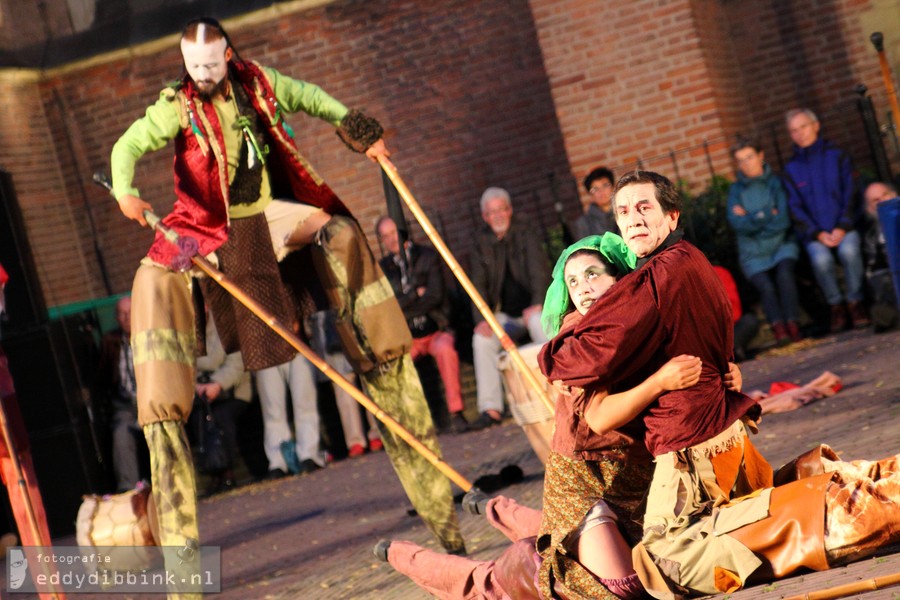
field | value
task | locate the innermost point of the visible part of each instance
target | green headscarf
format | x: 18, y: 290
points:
x: 556, y: 303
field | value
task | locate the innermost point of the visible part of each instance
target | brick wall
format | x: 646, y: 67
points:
x: 633, y: 82
x: 465, y: 103
x: 726, y: 86
x: 50, y: 205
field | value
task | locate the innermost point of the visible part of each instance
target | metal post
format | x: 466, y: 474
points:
x: 873, y: 134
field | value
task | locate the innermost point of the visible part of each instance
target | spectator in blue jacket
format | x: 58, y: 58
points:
x: 821, y: 197
x: 758, y: 213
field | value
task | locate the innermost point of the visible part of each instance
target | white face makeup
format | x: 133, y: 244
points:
x: 586, y: 279
x: 206, y: 63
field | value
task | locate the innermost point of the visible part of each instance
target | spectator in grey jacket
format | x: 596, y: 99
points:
x: 511, y: 271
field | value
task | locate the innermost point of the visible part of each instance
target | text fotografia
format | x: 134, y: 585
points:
x: 113, y: 569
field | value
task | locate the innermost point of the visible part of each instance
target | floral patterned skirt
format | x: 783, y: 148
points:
x: 571, y: 488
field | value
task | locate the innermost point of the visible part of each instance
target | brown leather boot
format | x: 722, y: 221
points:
x: 781, y: 334
x: 838, y: 318
x: 794, y: 331
x: 858, y: 315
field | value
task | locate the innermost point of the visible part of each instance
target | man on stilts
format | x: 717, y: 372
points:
x: 245, y: 192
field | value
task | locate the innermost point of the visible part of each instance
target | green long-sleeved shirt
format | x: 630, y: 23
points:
x: 161, y: 123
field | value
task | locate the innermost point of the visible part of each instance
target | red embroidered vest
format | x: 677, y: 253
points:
x: 201, y: 169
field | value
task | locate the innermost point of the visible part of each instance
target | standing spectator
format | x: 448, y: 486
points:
x: 821, y: 199
x: 222, y: 381
x: 272, y: 384
x: 418, y: 283
x: 323, y: 340
x: 878, y: 271
x: 511, y: 271
x: 116, y: 390
x: 598, y: 216
x: 758, y: 212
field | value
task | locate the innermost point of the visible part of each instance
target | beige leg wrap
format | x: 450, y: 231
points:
x: 163, y: 340
x: 368, y: 319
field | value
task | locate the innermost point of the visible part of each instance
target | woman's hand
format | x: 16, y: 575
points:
x: 679, y: 373
x: 734, y: 381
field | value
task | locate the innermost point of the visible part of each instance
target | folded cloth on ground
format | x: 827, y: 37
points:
x: 785, y: 396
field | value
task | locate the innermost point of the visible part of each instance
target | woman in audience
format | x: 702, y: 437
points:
x: 757, y: 211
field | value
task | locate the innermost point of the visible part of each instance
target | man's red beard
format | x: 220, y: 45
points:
x: 207, y: 89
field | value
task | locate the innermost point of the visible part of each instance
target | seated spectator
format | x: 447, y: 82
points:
x: 298, y: 454
x: 758, y: 212
x: 821, y: 193
x: 223, y: 383
x: 511, y: 272
x: 117, y: 393
x: 418, y: 282
x: 324, y: 341
x: 878, y: 272
x: 597, y: 206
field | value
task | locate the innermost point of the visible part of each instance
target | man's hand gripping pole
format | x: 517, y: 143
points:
x: 189, y: 246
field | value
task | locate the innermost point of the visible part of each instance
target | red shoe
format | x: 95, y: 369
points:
x: 356, y: 450
x: 376, y: 445
x: 838, y: 318
x: 781, y: 334
x: 794, y: 331
x: 858, y: 315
